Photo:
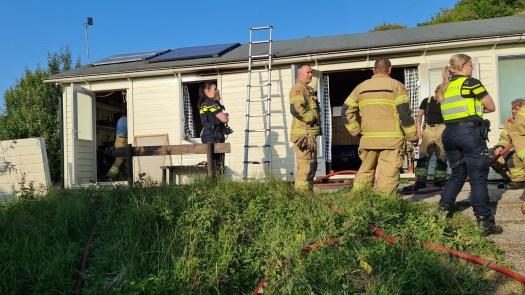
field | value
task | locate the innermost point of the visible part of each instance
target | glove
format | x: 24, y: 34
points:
x: 311, y: 143
x: 300, y: 142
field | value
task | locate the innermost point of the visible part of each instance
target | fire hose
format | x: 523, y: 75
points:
x: 318, y: 181
x: 391, y: 240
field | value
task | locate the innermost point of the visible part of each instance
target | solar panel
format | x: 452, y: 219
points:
x: 195, y: 52
x: 128, y: 57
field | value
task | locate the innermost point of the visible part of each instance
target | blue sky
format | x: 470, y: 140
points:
x: 29, y: 29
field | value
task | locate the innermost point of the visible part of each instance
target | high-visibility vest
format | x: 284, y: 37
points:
x: 456, y: 106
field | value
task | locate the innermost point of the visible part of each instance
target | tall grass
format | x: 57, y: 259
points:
x: 224, y: 237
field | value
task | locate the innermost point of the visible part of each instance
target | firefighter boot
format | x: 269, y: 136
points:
x: 488, y: 225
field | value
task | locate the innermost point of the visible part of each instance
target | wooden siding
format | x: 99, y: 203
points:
x: 27, y: 158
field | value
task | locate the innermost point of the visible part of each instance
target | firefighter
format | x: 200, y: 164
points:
x: 463, y: 101
x: 306, y: 122
x: 517, y: 136
x: 378, y: 110
x: 121, y: 140
x: 431, y: 142
x: 509, y: 165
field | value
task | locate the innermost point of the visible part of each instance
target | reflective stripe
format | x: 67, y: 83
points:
x: 401, y: 99
x: 376, y: 102
x: 521, y: 154
x: 311, y: 130
x: 383, y: 134
x: 352, y: 104
x: 521, y: 112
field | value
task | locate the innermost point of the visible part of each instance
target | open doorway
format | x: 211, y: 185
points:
x: 109, y: 106
x: 344, y: 147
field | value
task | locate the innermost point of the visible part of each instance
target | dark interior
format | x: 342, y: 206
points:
x: 345, y: 156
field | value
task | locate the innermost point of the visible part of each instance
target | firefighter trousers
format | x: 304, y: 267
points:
x: 114, y: 170
x: 306, y: 165
x: 432, y: 144
x: 388, y: 163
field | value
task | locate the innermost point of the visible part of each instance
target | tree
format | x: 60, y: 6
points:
x: 477, y: 9
x: 387, y: 26
x: 32, y: 110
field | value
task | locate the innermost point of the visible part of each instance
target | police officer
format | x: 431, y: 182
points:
x: 213, y: 118
x: 306, y: 122
x: 379, y: 111
x: 431, y: 142
x: 464, y: 100
x: 509, y: 165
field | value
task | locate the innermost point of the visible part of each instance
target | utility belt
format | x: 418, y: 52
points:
x: 483, y: 127
x: 434, y: 125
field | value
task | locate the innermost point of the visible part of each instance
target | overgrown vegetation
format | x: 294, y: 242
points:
x: 477, y: 9
x: 223, y: 238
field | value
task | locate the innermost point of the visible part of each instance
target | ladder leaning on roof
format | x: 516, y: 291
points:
x: 264, y: 58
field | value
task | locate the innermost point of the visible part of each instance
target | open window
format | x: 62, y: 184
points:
x: 190, y: 98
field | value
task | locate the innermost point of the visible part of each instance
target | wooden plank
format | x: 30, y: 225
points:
x: 182, y: 149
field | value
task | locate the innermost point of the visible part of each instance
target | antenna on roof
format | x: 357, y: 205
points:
x: 88, y: 23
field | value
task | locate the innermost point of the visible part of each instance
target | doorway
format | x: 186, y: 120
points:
x: 109, y: 106
x: 344, y: 147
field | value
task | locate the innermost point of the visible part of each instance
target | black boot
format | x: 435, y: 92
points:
x: 488, y: 225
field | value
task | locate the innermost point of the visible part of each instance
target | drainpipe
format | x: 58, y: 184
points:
x: 60, y: 111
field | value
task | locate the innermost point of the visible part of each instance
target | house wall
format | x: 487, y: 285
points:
x: 155, y: 107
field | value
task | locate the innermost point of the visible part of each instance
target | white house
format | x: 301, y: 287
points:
x: 159, y: 90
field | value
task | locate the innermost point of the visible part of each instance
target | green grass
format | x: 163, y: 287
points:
x: 223, y: 238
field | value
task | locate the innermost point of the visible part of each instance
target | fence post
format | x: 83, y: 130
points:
x: 129, y: 158
x: 210, y: 153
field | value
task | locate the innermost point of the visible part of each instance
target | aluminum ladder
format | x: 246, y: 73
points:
x: 259, y: 54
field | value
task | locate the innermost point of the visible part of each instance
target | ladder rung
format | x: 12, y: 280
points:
x: 260, y: 85
x: 252, y: 162
x: 261, y: 28
x: 258, y: 116
x: 251, y: 146
x: 261, y: 71
x: 257, y: 130
x: 260, y: 56
x: 259, y: 100
x: 261, y: 41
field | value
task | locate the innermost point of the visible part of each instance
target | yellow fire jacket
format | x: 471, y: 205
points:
x: 304, y: 108
x: 379, y: 110
x: 517, y: 133
x: 504, y: 137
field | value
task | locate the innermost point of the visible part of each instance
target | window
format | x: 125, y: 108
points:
x: 511, y: 86
x: 190, y: 97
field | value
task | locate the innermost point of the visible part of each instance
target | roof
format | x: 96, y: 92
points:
x: 476, y: 29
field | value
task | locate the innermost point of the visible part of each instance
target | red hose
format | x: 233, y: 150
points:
x: 334, y: 173
x: 391, y: 240
x: 345, y: 183
x: 83, y: 264
x: 459, y: 254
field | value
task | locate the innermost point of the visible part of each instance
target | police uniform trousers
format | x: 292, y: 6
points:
x: 306, y: 165
x: 467, y: 155
x: 119, y: 143
x: 388, y: 164
x: 432, y: 144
